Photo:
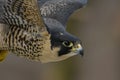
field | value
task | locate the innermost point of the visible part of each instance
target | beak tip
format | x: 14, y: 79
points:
x: 81, y: 53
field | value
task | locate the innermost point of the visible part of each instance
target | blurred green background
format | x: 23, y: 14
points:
x: 98, y: 26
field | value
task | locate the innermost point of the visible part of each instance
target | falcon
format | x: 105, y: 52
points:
x: 36, y: 29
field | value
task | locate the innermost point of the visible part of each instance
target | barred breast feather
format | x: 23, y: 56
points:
x: 26, y: 33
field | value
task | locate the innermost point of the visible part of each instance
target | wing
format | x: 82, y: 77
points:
x: 23, y: 14
x: 60, y: 9
x: 24, y: 25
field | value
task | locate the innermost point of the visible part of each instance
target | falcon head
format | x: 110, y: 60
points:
x: 68, y: 45
x: 63, y: 44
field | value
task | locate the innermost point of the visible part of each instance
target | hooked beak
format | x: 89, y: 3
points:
x: 81, y: 52
x: 80, y: 49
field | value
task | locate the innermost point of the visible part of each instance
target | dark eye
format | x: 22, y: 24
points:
x: 67, y: 44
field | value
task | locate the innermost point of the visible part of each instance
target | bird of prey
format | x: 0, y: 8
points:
x: 36, y: 29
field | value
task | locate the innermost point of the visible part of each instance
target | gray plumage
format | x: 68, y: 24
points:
x: 60, y: 10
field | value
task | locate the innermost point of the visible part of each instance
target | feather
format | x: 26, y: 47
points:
x: 26, y: 32
x: 23, y: 13
x: 60, y: 9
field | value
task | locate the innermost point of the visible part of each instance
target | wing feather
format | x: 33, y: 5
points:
x: 60, y: 9
x: 24, y: 14
x: 23, y: 19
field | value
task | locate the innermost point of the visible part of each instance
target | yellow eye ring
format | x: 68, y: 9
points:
x: 67, y: 44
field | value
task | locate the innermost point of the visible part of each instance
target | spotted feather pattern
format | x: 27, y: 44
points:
x: 27, y: 33
x: 23, y: 13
